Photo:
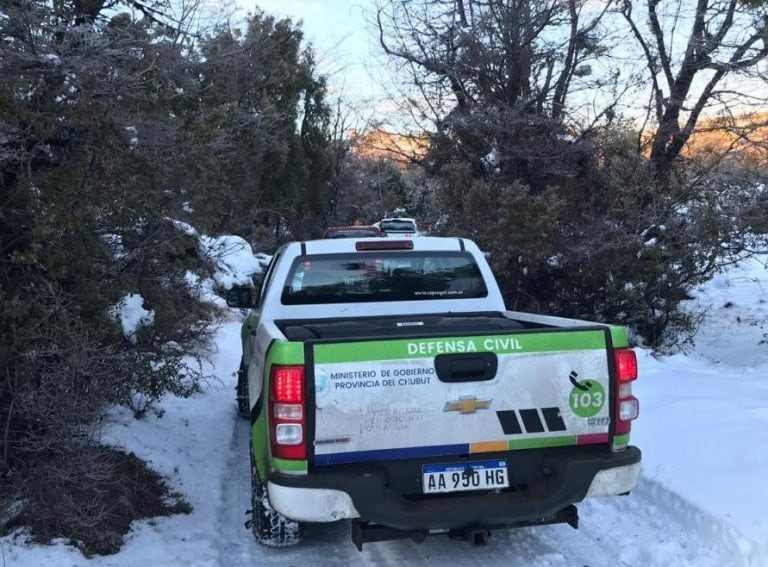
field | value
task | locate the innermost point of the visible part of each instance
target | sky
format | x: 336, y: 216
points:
x: 348, y: 54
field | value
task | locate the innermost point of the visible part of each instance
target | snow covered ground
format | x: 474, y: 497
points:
x: 703, y: 430
x: 703, y: 424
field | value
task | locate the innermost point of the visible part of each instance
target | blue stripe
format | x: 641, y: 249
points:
x: 391, y: 454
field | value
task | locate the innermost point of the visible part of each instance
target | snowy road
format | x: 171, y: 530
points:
x: 650, y: 527
x: 201, y: 445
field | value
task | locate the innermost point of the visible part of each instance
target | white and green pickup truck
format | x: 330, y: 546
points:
x: 386, y: 383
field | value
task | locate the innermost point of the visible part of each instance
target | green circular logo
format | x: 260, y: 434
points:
x: 587, y: 399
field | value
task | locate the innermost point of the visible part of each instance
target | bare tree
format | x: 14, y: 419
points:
x: 523, y: 54
x: 504, y: 84
x: 725, y: 43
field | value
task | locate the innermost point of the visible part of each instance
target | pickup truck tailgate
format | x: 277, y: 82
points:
x: 380, y: 400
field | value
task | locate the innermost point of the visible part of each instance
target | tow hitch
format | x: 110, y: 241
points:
x: 476, y: 537
x: 368, y: 532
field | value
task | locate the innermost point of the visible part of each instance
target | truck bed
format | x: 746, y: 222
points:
x: 402, y: 326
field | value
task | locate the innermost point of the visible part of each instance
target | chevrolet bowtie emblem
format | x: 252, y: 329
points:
x: 467, y: 404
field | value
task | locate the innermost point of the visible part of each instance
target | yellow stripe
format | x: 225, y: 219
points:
x: 488, y: 446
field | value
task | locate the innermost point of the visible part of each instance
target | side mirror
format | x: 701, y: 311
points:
x: 243, y: 297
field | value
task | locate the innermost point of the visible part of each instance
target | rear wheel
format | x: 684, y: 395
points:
x: 243, y: 406
x: 269, y: 526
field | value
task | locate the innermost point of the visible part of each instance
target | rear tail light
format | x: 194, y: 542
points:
x: 627, y: 406
x: 287, y: 412
x: 626, y: 364
x: 288, y: 384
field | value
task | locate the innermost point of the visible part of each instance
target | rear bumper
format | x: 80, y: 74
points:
x: 543, y: 482
x: 616, y: 480
x: 311, y: 504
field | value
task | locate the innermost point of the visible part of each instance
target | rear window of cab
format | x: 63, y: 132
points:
x: 383, y: 276
x: 398, y: 225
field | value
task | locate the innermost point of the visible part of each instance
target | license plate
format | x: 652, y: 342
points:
x: 460, y: 477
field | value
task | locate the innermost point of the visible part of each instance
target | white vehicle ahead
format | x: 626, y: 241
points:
x: 386, y: 383
x: 399, y: 226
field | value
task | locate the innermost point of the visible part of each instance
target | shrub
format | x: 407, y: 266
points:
x: 607, y: 243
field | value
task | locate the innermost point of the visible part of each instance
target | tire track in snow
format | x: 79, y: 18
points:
x: 651, y: 527
x: 700, y: 538
x: 236, y: 544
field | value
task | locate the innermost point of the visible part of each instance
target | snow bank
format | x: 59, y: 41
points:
x: 131, y: 315
x: 231, y: 258
x: 703, y: 424
x: 184, y: 227
x: 735, y: 327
